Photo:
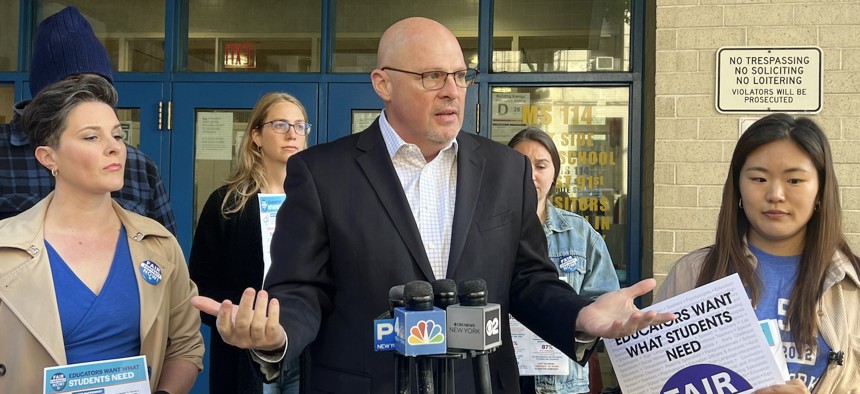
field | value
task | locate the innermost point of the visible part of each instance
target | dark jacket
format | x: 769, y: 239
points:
x: 226, y: 258
x: 346, y: 235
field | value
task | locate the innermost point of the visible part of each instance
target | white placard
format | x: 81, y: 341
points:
x: 753, y: 79
x: 269, y: 206
x: 508, y: 107
x: 214, y: 136
x: 118, y: 376
x: 534, y: 355
x: 715, y: 345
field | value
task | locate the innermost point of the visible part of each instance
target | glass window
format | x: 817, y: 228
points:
x: 218, y: 137
x: 9, y: 35
x: 589, y: 127
x: 7, y: 102
x: 360, y: 23
x: 129, y: 119
x: 270, y: 36
x: 132, y: 32
x: 561, y: 36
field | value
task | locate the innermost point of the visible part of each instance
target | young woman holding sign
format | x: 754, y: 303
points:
x: 780, y: 230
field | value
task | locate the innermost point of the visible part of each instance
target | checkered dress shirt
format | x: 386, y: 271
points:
x: 430, y: 188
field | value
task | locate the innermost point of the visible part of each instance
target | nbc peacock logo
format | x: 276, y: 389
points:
x: 426, y: 332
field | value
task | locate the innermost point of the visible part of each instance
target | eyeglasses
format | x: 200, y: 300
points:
x: 281, y: 127
x: 435, y: 80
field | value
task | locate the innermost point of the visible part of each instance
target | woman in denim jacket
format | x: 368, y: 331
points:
x: 575, y: 248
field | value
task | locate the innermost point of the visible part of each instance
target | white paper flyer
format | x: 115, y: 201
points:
x: 534, y: 355
x: 117, y: 376
x: 715, y: 345
x: 269, y: 206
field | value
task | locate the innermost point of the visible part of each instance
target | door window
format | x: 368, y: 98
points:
x: 7, y: 102
x: 590, y: 129
x: 268, y: 36
x: 358, y: 25
x: 218, y: 137
x: 9, y: 35
x: 129, y: 120
x: 561, y: 36
x: 132, y: 32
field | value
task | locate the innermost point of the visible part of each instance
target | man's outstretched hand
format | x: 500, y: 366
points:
x: 613, y: 315
x: 247, y: 325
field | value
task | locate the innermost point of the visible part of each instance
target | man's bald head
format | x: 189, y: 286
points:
x: 429, y: 118
x: 409, y: 35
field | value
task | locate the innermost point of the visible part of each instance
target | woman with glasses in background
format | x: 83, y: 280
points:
x: 227, y: 254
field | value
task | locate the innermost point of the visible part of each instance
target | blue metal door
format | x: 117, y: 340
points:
x: 350, y: 106
x: 138, y: 108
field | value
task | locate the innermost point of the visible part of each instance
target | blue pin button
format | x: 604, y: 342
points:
x: 150, y: 272
x: 568, y: 264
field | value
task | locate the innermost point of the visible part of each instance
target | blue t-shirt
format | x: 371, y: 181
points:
x: 103, y: 326
x: 778, y: 274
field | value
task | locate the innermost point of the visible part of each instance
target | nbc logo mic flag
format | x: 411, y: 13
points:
x: 419, y: 332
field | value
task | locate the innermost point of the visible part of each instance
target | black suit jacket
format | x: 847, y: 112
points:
x: 346, y: 235
x: 227, y: 258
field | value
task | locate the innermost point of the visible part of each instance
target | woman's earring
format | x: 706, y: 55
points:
x: 54, y: 172
x: 741, y: 203
x: 817, y: 205
x: 259, y: 149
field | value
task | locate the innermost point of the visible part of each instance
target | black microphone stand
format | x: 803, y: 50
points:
x: 444, y: 294
x: 418, y: 296
x: 401, y: 363
x: 474, y: 293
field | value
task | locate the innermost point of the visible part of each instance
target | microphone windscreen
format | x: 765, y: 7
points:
x: 445, y: 287
x: 396, y: 293
x: 444, y: 293
x: 418, y: 295
x: 473, y: 292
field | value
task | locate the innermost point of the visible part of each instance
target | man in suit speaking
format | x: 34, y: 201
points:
x: 411, y: 198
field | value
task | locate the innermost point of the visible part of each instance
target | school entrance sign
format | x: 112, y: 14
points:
x: 756, y: 79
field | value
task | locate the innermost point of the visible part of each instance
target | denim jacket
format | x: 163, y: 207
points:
x: 583, y: 261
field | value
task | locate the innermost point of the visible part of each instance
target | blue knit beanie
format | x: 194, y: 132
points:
x: 66, y: 45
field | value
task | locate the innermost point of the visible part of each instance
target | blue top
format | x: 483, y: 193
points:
x: 583, y: 261
x: 24, y: 182
x: 779, y: 273
x: 103, y: 326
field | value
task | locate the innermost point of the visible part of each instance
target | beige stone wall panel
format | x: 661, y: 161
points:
x: 693, y: 143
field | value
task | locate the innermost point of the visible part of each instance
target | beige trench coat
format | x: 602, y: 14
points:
x: 31, y: 337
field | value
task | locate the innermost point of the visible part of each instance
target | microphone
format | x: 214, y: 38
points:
x: 395, y: 298
x: 475, y: 325
x: 444, y: 295
x: 383, y: 326
x: 420, y: 330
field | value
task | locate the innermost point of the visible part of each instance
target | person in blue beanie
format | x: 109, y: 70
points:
x: 66, y: 46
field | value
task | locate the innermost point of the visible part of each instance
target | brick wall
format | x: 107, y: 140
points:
x: 693, y: 143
